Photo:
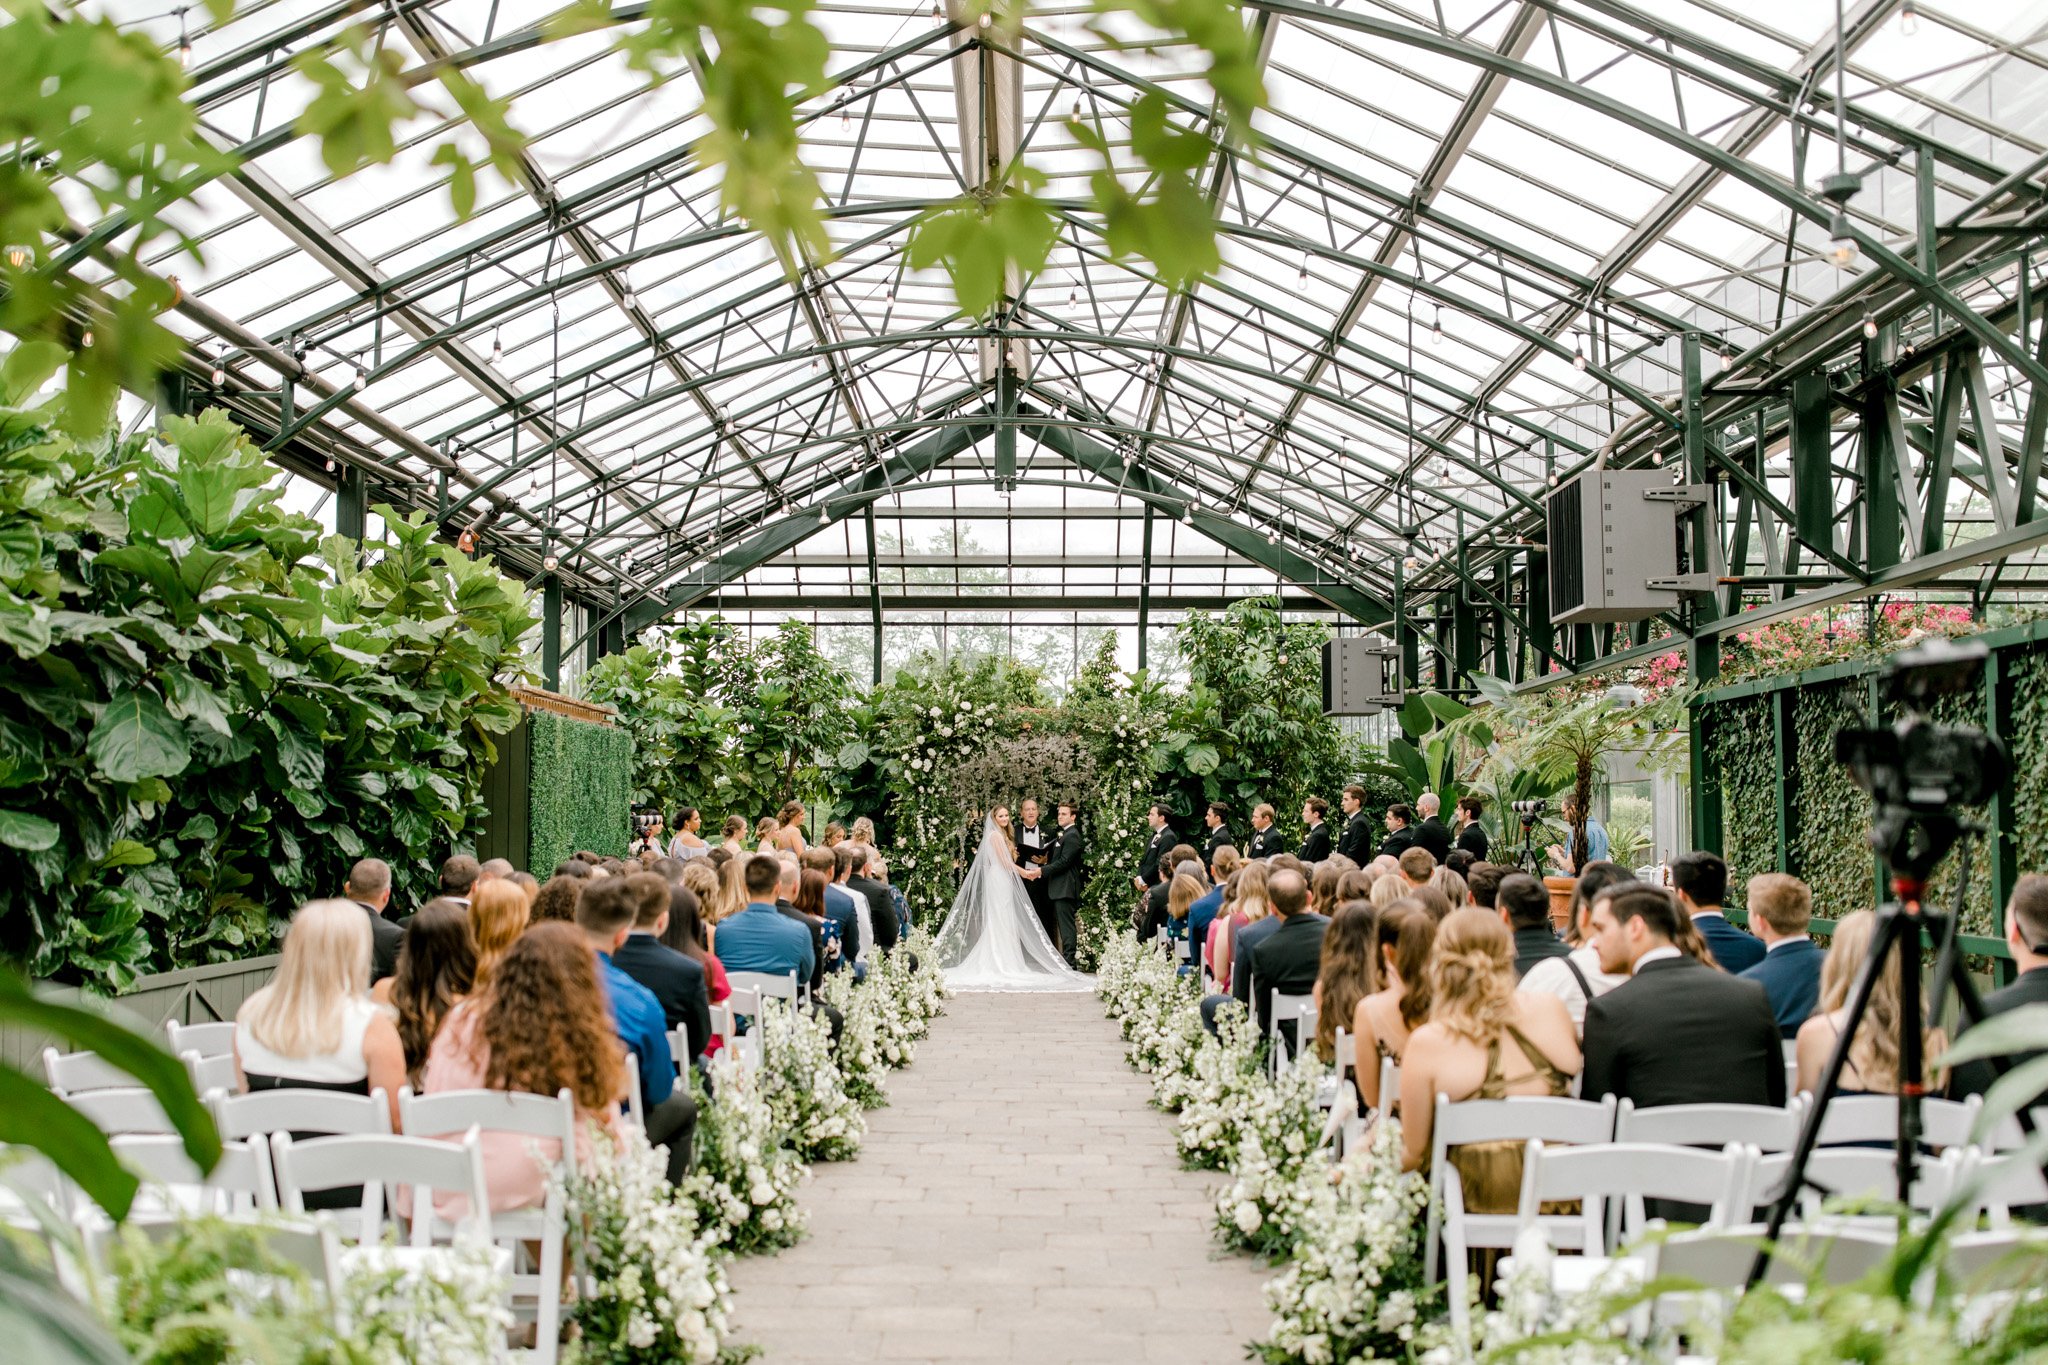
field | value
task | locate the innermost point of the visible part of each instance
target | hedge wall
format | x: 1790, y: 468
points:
x: 581, y: 786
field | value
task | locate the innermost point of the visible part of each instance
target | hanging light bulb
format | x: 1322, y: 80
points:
x: 1436, y: 330
x: 1841, y: 241
x: 1578, y: 352
x: 362, y: 377
x: 466, y: 542
x: 814, y: 364
x: 1272, y: 536
x: 1727, y: 355
x: 551, y: 561
x: 219, y: 376
x: 497, y: 345
x: 1909, y: 18
x: 1304, y: 267
x: 824, y: 515
x: 533, y: 484
x: 330, y: 464
x: 1076, y: 114
x: 938, y: 12
x: 890, y: 297
x: 18, y: 256
x: 87, y: 338
x: 1187, y: 515
x: 987, y: 19
x: 627, y: 298
x: 1869, y: 326
x: 184, y: 44
x: 845, y: 118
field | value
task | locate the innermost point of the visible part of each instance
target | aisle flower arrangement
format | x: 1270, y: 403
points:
x: 659, y: 1292
x: 1279, y: 1165
x: 743, y: 1176
x: 800, y: 1077
x: 864, y: 1016
x: 1224, y: 1081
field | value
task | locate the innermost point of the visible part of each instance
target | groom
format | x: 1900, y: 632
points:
x: 1063, y: 878
x: 1034, y: 843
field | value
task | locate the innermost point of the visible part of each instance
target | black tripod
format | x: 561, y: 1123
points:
x: 1913, y: 844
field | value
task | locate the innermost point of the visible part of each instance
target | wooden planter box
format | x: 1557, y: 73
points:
x: 192, y: 995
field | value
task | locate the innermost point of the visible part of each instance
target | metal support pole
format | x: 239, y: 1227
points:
x: 1145, y: 589
x: 351, y: 495
x: 1703, y: 666
x: 551, y: 633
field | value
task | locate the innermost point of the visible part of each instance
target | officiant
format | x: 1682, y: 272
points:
x: 1034, y: 844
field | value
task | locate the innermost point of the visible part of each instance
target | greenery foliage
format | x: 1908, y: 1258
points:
x: 1742, y: 759
x: 666, y: 689
x: 581, y: 783
x: 217, y: 711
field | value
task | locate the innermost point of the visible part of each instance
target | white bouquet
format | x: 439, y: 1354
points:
x: 657, y: 1285
x: 806, y: 1100
x: 1227, y: 1073
x: 743, y: 1180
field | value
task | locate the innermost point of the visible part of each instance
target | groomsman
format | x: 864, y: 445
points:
x: 1034, y: 843
x: 1266, y: 840
x: 1315, y: 845
x: 1063, y: 878
x: 1356, y: 841
x: 1217, y: 817
x: 1161, y: 841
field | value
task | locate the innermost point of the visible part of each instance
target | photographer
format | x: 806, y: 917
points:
x: 647, y: 835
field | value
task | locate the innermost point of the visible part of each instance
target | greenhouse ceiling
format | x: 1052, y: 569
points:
x: 1475, y: 246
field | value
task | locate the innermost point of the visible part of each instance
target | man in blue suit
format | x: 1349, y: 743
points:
x: 1701, y: 881
x: 760, y: 938
x: 1780, y: 909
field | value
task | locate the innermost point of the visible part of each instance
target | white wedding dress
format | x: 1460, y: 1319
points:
x: 992, y: 939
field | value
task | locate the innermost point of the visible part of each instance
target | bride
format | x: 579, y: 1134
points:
x: 992, y: 940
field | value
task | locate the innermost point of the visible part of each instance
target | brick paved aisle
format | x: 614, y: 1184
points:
x: 1019, y: 1200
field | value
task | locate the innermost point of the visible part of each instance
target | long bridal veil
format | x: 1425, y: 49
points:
x: 992, y: 939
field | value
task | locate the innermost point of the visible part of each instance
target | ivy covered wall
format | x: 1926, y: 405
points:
x: 581, y: 784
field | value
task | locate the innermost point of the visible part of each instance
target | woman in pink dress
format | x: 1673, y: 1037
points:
x: 686, y: 935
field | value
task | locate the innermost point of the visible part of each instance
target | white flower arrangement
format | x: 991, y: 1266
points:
x: 657, y: 1289
x: 449, y: 1307
x: 743, y: 1180
x: 1225, y: 1079
x: 807, y: 1101
x: 862, y: 1067
x: 1279, y: 1166
x: 1353, y: 1291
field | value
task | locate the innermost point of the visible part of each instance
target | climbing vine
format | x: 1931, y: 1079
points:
x: 1831, y: 820
x: 2026, y: 730
x: 1740, y: 758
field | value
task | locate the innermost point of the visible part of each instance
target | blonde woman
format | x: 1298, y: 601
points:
x: 1453, y: 886
x: 788, y: 836
x: 314, y: 1027
x: 735, y: 838
x: 498, y: 915
x: 1484, y: 1041
x: 1009, y: 831
x: 1250, y: 907
x: 1386, y: 890
x: 1873, y: 1064
x: 864, y: 832
x: 731, y: 895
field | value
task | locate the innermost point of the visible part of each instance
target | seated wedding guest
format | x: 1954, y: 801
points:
x: 1678, y: 1032
x: 1462, y: 861
x: 842, y: 905
x: 809, y: 901
x: 1432, y: 900
x: 1248, y: 904
x: 1452, y: 885
x: 1781, y: 910
x: 1259, y: 919
x: 1344, y: 976
x: 732, y: 891
x: 1287, y: 959
x: 1417, y: 865
x: 528, y: 884
x: 1482, y: 880
x: 702, y: 880
x: 758, y: 938
x: 1484, y: 1041
x: 497, y: 916
x: 1386, y: 890
x: 1354, y: 885
x: 1384, y: 865
x: 878, y: 872
x: 1203, y: 912
x: 605, y: 917
x: 369, y: 885
x: 674, y: 979
x: 882, y: 926
x: 575, y: 869
x: 1182, y: 892
x: 685, y: 933
x: 1577, y: 978
x: 557, y: 900
x: 436, y: 971
x: 458, y: 875
x: 1524, y: 906
x: 493, y: 870
x: 594, y: 860
x: 1322, y: 888
x: 733, y: 835
x: 1155, y: 912
x: 688, y: 840
x: 541, y: 1027
x: 1701, y: 880
x: 314, y: 1027
x: 1872, y: 1067
x: 1402, y: 937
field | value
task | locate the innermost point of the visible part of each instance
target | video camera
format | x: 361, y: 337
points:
x: 644, y: 821
x: 1530, y: 813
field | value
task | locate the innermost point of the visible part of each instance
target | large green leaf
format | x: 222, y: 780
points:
x: 1445, y: 709
x: 30, y: 833
x: 40, y: 1322
x: 32, y: 1116
x: 135, y: 737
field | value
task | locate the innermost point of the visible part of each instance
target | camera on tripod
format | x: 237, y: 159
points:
x: 644, y: 821
x: 1530, y: 812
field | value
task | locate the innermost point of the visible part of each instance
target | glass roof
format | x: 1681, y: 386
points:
x: 1458, y: 259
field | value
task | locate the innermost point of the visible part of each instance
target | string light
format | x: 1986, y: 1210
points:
x: 845, y: 118
x: 497, y: 345
x: 219, y: 376
x: 824, y: 515
x: 1909, y: 18
x: 362, y: 377
x: 1841, y: 241
x: 1869, y: 326
x: 184, y: 44
x: 937, y: 12
x: 1727, y: 355
x: 627, y: 298
x: 1578, y: 352
x: 1436, y: 331
x: 1073, y: 296
x: 1187, y: 515
x: 551, y: 561
x: 87, y: 338
x: 18, y: 256
x: 330, y: 464
x: 987, y: 19
x: 1076, y: 115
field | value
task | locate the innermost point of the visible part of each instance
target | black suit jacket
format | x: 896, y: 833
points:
x: 1287, y: 961
x: 386, y: 938
x: 1398, y: 841
x: 1974, y: 1078
x: 1218, y: 837
x: 1433, y: 835
x: 1063, y: 875
x: 1156, y: 916
x: 817, y: 928
x: 1160, y: 845
x: 1315, y: 846
x: 1355, y: 842
x: 1680, y: 1032
x: 881, y: 911
x: 1266, y: 842
x: 676, y: 980
x: 1473, y: 840
x: 1533, y: 945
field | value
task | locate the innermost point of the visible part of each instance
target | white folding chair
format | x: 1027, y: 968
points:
x: 766, y: 985
x: 1711, y: 1125
x: 288, y: 1110
x: 1949, y: 1123
x: 74, y: 1073
x: 239, y: 1184
x: 1992, y: 1183
x: 1390, y: 1086
x: 128, y: 1109
x: 370, y: 1162
x: 1300, y: 1010
x: 636, y: 1108
x: 1860, y: 1118
x: 746, y: 1046
x: 1854, y: 1173
x: 1515, y: 1119
x: 210, y: 1073
x: 1718, y: 1260
x: 1627, y: 1173
x: 1975, y: 1259
x: 213, y: 1039
x: 308, y: 1245
x: 531, y: 1116
x: 722, y: 1023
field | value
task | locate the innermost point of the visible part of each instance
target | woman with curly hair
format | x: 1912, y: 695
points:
x: 1345, y: 976
x: 556, y: 902
x: 540, y: 1027
x: 1484, y: 1041
x: 436, y: 970
x: 497, y: 917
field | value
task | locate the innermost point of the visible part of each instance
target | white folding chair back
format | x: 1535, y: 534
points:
x: 722, y: 1023
x: 1627, y: 1172
x: 1860, y: 1118
x: 1300, y: 1010
x: 130, y: 1109
x: 1711, y: 1125
x: 213, y: 1039
x: 308, y: 1245
x: 1720, y: 1258
x: 1854, y: 1173
x: 74, y: 1073
x: 240, y: 1183
x: 301, y: 1111
x: 766, y: 984
x: 2004, y: 1258
x: 373, y: 1161
x: 1390, y: 1086
x: 210, y: 1073
x: 1948, y: 1123
x: 1992, y: 1183
x: 1516, y: 1119
x: 1344, y: 1127
x: 746, y: 1002
x: 636, y: 1109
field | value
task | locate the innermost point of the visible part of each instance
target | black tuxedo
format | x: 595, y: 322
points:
x: 1063, y: 879
x: 1473, y: 840
x: 1161, y: 844
x: 1265, y: 843
x: 386, y: 938
x: 1218, y: 837
x: 1034, y: 887
x: 1433, y: 835
x: 1286, y: 960
x: 1974, y: 1078
x: 1355, y: 842
x: 1315, y: 845
x: 676, y: 980
x: 1398, y: 841
x: 1680, y: 1032
x: 881, y: 911
x: 1156, y: 915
